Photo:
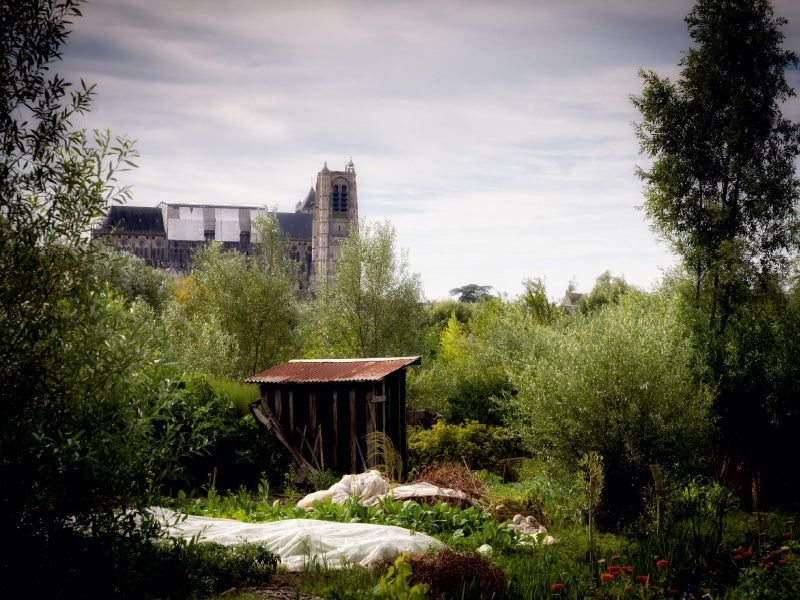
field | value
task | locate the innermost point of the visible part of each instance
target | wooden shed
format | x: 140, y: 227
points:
x: 323, y: 410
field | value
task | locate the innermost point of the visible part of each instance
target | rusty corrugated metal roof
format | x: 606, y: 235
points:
x: 333, y: 370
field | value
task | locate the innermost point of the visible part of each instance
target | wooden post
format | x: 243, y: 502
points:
x: 353, y: 440
x: 335, y: 405
x: 658, y: 478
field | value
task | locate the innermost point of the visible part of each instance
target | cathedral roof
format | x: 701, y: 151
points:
x: 308, y: 203
x: 140, y: 219
x: 296, y: 225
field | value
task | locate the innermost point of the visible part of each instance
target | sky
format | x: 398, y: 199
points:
x: 495, y: 135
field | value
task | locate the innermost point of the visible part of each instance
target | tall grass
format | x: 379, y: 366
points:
x: 240, y: 394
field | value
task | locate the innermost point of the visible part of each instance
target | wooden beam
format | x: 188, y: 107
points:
x: 264, y: 415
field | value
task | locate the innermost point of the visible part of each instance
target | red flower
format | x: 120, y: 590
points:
x: 557, y: 586
x: 614, y: 569
x: 627, y: 569
x: 747, y: 554
x: 674, y: 592
x: 769, y: 566
x: 606, y: 576
x: 615, y: 557
x: 782, y: 562
x: 773, y: 554
x: 662, y: 564
x: 643, y: 579
x: 737, y: 557
x: 628, y: 589
x: 786, y: 535
x: 740, y: 550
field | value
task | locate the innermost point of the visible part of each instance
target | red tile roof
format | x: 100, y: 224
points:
x: 333, y: 370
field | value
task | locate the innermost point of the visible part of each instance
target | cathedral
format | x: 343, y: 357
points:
x: 166, y: 235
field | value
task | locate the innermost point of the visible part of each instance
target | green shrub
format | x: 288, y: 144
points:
x: 480, y: 446
x: 238, y: 452
x: 323, y: 480
x: 124, y: 559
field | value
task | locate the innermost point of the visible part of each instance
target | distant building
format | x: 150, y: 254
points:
x: 569, y: 302
x: 166, y: 235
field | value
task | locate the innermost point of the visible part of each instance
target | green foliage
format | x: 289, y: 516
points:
x: 69, y: 364
x: 480, y: 446
x: 619, y: 383
x: 607, y: 290
x: 373, y: 308
x: 770, y: 570
x: 537, y: 305
x: 722, y: 188
x: 236, y: 315
x: 555, y: 500
x: 478, y: 398
x: 129, y: 276
x: 467, y: 377
x: 239, y: 394
x: 722, y: 191
x: 394, y: 584
x: 235, y: 452
x: 323, y: 480
x: 472, y: 293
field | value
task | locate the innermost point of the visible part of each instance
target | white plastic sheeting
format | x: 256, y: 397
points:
x: 368, y: 487
x: 371, y: 487
x: 302, y: 543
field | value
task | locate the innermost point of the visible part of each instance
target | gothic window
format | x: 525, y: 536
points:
x: 336, y: 198
x: 344, y: 198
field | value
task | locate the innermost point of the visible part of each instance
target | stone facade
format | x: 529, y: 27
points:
x: 166, y: 235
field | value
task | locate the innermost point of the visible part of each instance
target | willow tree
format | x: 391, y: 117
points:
x: 721, y: 188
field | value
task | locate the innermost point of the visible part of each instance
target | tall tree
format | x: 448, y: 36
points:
x: 722, y: 190
x: 83, y: 427
x: 374, y: 306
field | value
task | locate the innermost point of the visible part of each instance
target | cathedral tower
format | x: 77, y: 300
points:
x: 335, y: 215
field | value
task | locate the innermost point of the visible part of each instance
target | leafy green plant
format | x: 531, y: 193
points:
x: 394, y: 584
x: 480, y: 446
x: 323, y: 480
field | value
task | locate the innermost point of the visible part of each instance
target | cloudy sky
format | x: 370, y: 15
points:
x: 496, y: 135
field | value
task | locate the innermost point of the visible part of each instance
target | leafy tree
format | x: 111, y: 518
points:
x: 374, y: 307
x: 131, y: 277
x: 618, y: 382
x: 472, y: 293
x: 466, y: 379
x: 81, y: 389
x: 722, y: 190
x: 536, y: 302
x: 607, y: 290
x: 236, y: 315
x: 53, y: 180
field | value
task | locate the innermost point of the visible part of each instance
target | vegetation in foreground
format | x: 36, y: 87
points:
x: 702, y: 545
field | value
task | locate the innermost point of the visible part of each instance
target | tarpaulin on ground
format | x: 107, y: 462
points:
x: 302, y: 543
